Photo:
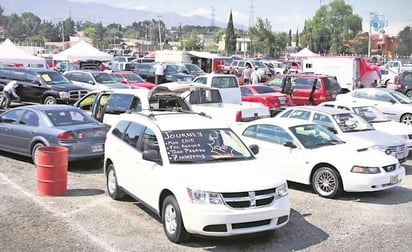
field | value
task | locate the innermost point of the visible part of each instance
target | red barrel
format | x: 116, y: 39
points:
x: 52, y: 162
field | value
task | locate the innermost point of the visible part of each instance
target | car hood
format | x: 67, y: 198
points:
x: 394, y: 128
x: 372, y: 137
x: 176, y: 88
x: 358, y: 155
x: 65, y: 87
x: 245, y: 175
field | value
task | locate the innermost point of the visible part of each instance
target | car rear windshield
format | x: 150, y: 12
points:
x: 331, y: 83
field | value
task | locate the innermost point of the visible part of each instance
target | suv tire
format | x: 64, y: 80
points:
x: 49, y: 100
x: 113, y: 188
x: 172, y: 220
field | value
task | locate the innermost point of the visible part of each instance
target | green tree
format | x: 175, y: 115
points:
x: 297, y: 39
x: 230, y: 39
x: 290, y: 38
x: 405, y: 39
x: 332, y: 25
x: 263, y: 40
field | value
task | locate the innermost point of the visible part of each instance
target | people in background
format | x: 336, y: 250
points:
x: 159, y: 73
x: 246, y: 75
x: 8, y: 91
x: 254, y: 76
x: 312, y: 93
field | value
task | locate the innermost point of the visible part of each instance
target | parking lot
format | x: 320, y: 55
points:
x: 87, y: 219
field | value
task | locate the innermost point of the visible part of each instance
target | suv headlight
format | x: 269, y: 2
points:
x: 202, y: 197
x: 281, y: 191
x: 365, y: 169
x: 64, y: 95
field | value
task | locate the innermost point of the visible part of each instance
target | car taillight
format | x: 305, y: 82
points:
x: 67, y: 137
x: 272, y: 102
x: 238, y: 116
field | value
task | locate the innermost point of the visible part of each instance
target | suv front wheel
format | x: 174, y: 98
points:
x: 172, y: 220
x: 111, y: 181
x: 49, y: 100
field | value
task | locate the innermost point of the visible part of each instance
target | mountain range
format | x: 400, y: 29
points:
x: 55, y: 11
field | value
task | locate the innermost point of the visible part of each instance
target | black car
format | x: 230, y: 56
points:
x: 404, y: 83
x: 41, y: 85
x: 147, y: 72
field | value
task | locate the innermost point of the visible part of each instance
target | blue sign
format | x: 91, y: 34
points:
x: 378, y: 22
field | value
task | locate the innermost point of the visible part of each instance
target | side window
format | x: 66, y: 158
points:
x: 300, y: 114
x: 12, y: 116
x: 30, y: 119
x: 149, y: 140
x: 323, y: 120
x: 31, y: 77
x: 273, y: 134
x: 132, y: 134
x: 120, y: 128
x: 86, y: 103
x: 250, y: 131
x: 201, y: 80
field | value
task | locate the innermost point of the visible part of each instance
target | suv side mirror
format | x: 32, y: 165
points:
x: 290, y: 144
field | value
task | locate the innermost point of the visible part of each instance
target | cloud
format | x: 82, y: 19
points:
x: 204, y: 12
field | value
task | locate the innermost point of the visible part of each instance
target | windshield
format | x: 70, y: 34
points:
x: 314, y: 136
x: 194, y: 68
x: 259, y: 64
x: 401, y: 98
x: 371, y: 114
x: 104, y: 78
x: 204, y: 145
x: 351, y: 122
x: 264, y: 89
x: 54, y: 78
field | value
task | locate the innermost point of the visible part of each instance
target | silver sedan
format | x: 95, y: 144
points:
x: 24, y: 129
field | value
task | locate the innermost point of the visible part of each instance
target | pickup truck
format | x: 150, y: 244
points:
x: 204, y: 99
x: 230, y: 98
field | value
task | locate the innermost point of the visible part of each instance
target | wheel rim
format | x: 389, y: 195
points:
x: 36, y: 153
x: 111, y: 182
x: 325, y: 182
x: 407, y: 119
x: 170, y: 219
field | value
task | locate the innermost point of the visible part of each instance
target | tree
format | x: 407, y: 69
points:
x: 332, y: 25
x: 290, y: 38
x: 263, y: 38
x: 230, y: 39
x: 297, y: 38
x: 405, y: 39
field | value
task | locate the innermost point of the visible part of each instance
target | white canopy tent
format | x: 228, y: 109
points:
x: 82, y: 51
x: 305, y: 52
x: 11, y: 54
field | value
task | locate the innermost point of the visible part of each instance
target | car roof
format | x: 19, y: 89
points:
x: 349, y: 104
x: 167, y: 120
x: 322, y: 109
x: 42, y: 107
x: 280, y: 121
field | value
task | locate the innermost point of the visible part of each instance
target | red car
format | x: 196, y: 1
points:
x: 132, y: 80
x: 266, y: 95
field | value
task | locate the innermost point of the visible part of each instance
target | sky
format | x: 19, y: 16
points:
x: 283, y: 15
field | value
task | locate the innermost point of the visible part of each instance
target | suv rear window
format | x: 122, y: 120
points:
x: 331, y: 83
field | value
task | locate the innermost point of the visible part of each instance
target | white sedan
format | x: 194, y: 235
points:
x: 308, y: 153
x: 394, y: 104
x: 375, y: 117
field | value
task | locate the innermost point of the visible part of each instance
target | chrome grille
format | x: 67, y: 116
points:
x: 249, y: 199
x: 77, y: 94
x: 397, y: 149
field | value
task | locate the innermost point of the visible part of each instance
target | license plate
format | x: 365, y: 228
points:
x: 394, y: 179
x: 97, y: 148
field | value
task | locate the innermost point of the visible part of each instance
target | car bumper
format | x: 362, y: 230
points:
x: 83, y: 151
x: 355, y: 182
x: 222, y: 221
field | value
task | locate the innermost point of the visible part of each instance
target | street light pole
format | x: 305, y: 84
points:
x: 160, y: 34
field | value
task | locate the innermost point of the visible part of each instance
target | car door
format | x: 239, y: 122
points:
x: 30, y: 88
x: 8, y: 122
x: 271, y: 139
x: 27, y: 128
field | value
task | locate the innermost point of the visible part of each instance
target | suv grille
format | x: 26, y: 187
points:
x: 250, y: 199
x: 398, y: 149
x: 77, y: 94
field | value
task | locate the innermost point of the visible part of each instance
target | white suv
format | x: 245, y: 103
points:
x: 195, y: 173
